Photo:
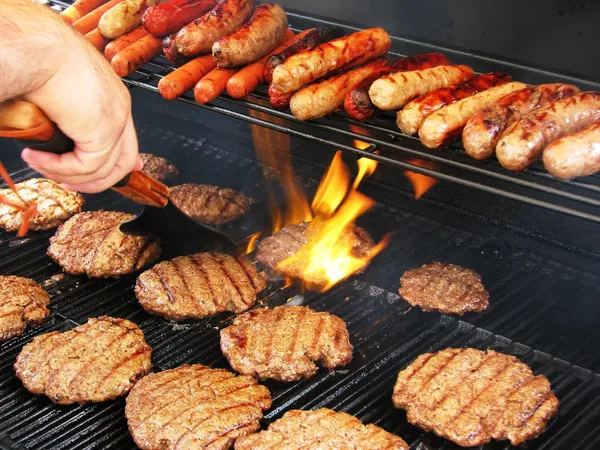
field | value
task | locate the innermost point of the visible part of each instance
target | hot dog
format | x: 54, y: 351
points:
x: 483, y: 130
x: 123, y: 17
x: 212, y: 84
x: 123, y: 42
x: 575, y: 155
x: 316, y: 37
x: 342, y: 53
x: 413, y: 114
x: 136, y: 55
x: 95, y: 38
x: 200, y: 35
x: 254, y: 39
x: 357, y: 103
x: 79, y: 9
x: 90, y: 21
x: 526, y: 138
x: 444, y: 125
x: 320, y: 99
x: 185, y: 77
x: 167, y: 18
x: 170, y: 51
x: 396, y: 90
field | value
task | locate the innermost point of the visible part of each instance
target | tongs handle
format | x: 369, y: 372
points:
x: 30, y: 126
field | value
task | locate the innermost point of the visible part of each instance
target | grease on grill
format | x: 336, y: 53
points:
x: 22, y: 302
x: 158, y: 167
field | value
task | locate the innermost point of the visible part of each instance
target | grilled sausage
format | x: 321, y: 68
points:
x: 123, y: 42
x: 254, y: 39
x: 185, y: 77
x: 575, y: 155
x: 483, y: 130
x: 95, y: 38
x: 136, y: 55
x: 90, y: 21
x: 170, y: 51
x: 279, y: 100
x: 526, y: 138
x: 357, y: 103
x: 320, y: 99
x: 167, y: 18
x: 396, y: 90
x: 339, y: 54
x: 123, y: 17
x: 200, y: 35
x: 444, y: 125
x: 79, y: 9
x: 315, y: 37
x: 413, y: 114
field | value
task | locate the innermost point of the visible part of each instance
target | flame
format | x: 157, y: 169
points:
x: 366, y: 167
x: 333, y: 188
x: 252, y: 242
x: 421, y: 183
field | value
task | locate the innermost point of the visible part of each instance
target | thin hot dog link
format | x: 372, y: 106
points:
x: 95, y: 38
x: 483, y: 130
x: 123, y: 42
x: 339, y: 54
x: 79, y: 9
x: 136, y: 55
x: 167, y: 18
x: 211, y: 86
x: 444, y: 125
x: 413, y: 114
x: 526, y: 138
x: 185, y: 77
x: 575, y: 155
x: 90, y: 21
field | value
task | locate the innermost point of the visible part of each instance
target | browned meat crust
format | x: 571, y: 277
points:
x: 54, y: 204
x: 158, y: 167
x: 22, y: 302
x: 194, y: 407
x: 323, y: 429
x: 471, y: 397
x: 445, y: 288
x: 209, y: 204
x: 91, y: 243
x: 289, y: 240
x: 100, y: 360
x: 199, y: 285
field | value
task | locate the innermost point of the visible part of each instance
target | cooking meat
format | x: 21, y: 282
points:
x: 199, y: 285
x: 290, y: 240
x: 445, y: 288
x: 98, y: 361
x: 166, y: 18
x: 22, y: 302
x: 91, y: 243
x: 285, y: 342
x: 321, y: 429
x: 471, y: 396
x: 194, y: 407
x: 54, y: 204
x: 158, y: 167
x: 209, y: 204
x: 575, y: 155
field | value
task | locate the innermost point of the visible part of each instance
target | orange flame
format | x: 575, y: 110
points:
x: 366, y: 167
x: 251, y: 246
x: 28, y: 209
x: 421, y: 183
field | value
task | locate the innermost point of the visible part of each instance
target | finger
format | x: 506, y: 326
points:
x: 67, y: 164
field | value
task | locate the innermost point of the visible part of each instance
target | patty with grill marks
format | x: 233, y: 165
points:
x: 199, y: 285
x: 22, y: 302
x: 445, y: 288
x: 194, y: 407
x: 54, y: 204
x: 91, y: 243
x: 290, y: 240
x: 100, y: 360
x: 158, y: 167
x: 209, y: 204
x: 321, y: 429
x: 471, y: 396
x: 285, y: 342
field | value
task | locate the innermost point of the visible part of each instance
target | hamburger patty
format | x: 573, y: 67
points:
x: 158, y: 167
x: 445, y: 288
x: 91, y: 243
x: 471, y: 396
x: 209, y: 204
x: 321, y: 429
x: 194, y: 407
x: 199, y: 285
x: 285, y: 342
x: 54, y: 204
x: 22, y: 302
x: 289, y: 241
x: 100, y: 360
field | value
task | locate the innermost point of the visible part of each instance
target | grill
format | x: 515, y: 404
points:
x: 543, y: 281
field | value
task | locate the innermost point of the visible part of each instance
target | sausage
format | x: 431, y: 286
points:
x: 444, y: 125
x: 320, y: 99
x: 357, y: 103
x: 90, y: 21
x: 200, y: 35
x: 339, y: 54
x: 253, y: 40
x: 79, y: 9
x: 413, y: 114
x: 396, y: 90
x: 171, y: 53
x: 527, y: 137
x: 123, y: 18
x: 123, y: 42
x: 315, y: 37
x: 279, y: 100
x: 185, y: 77
x: 575, y: 155
x: 212, y: 84
x: 168, y: 18
x: 95, y: 38
x: 136, y: 55
x: 483, y: 130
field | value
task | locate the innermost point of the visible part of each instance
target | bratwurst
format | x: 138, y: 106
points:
x: 575, y: 155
